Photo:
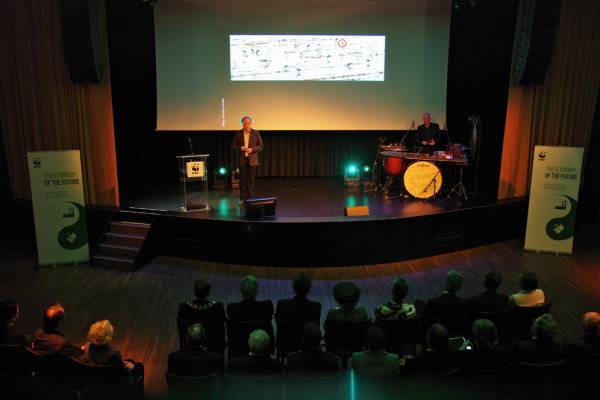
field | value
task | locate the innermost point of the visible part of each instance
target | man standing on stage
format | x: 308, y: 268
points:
x: 247, y: 142
x: 428, y: 134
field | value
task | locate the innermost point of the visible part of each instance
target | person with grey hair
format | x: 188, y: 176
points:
x: 448, y: 303
x: 258, y: 361
x: 247, y: 143
x: 544, y: 346
x: 195, y: 359
x: 249, y: 309
x: 486, y: 354
x: 428, y: 133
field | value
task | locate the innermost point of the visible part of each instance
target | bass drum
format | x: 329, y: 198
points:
x: 422, y: 179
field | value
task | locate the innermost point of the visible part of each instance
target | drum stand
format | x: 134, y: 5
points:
x: 434, y: 181
x: 459, y: 188
x: 386, y: 189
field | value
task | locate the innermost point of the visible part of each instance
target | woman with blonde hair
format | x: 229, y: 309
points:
x: 98, y: 351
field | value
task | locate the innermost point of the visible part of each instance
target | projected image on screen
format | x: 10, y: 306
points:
x: 307, y: 58
x: 300, y: 65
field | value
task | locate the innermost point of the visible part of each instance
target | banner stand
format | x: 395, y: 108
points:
x: 555, y: 179
x: 58, y: 207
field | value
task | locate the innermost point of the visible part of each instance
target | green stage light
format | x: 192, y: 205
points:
x: 222, y: 171
x: 351, y: 169
x: 366, y: 168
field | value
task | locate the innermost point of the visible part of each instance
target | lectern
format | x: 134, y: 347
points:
x: 193, y: 180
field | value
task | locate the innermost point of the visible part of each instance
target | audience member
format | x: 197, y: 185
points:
x: 485, y: 353
x: 448, y: 302
x: 249, y: 309
x: 397, y: 309
x: 311, y: 360
x: 585, y: 350
x: 529, y: 295
x: 258, y: 361
x: 299, y: 308
x: 590, y: 322
x: 98, y: 351
x: 437, y: 359
x: 9, y: 315
x: 489, y: 300
x: 375, y: 361
x: 346, y: 294
x: 49, y: 339
x: 195, y: 359
x: 201, y: 308
x: 543, y: 347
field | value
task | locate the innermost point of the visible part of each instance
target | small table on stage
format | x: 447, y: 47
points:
x: 193, y: 180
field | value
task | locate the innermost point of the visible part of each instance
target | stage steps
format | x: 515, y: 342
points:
x: 124, y: 245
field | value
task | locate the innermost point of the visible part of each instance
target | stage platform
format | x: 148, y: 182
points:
x: 310, y: 229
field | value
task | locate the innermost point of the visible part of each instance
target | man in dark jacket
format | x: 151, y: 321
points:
x: 299, y: 308
x: 489, y: 300
x: 249, y: 309
x: 247, y: 142
x: 448, y: 302
x: 49, y: 340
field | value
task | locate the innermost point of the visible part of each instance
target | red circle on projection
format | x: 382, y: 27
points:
x: 342, y: 43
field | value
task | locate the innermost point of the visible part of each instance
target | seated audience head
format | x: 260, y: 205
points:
x: 259, y: 342
x: 492, y: 280
x: 196, y: 335
x: 484, y: 334
x: 437, y: 337
x: 454, y: 281
x: 301, y: 284
x: 528, y: 281
x: 53, y: 317
x: 249, y: 287
x: 375, y: 338
x: 544, y: 328
x: 591, y: 324
x: 346, y: 294
x: 399, y: 290
x: 201, y: 288
x: 101, y: 333
x: 9, y: 312
x: 311, y: 336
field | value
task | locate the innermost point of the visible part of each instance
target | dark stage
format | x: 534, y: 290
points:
x: 301, y: 200
x: 310, y: 229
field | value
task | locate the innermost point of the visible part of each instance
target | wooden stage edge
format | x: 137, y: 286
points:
x: 324, y: 241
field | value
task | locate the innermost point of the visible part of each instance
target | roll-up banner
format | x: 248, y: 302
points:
x: 58, y: 207
x: 553, y: 195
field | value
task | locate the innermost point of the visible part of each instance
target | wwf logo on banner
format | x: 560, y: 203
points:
x: 542, y: 156
x: 37, y: 162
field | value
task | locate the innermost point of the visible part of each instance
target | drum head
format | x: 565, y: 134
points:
x: 418, y: 179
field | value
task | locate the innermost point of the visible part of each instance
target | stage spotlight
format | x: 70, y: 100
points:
x: 368, y: 180
x: 352, y: 175
x: 221, y: 178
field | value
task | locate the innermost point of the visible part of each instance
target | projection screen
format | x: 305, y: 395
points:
x: 350, y: 65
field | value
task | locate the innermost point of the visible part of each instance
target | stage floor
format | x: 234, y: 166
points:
x: 301, y: 198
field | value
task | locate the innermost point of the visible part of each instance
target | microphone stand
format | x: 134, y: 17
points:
x: 191, y: 147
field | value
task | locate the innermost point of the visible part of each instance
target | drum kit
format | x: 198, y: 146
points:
x: 420, y: 173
